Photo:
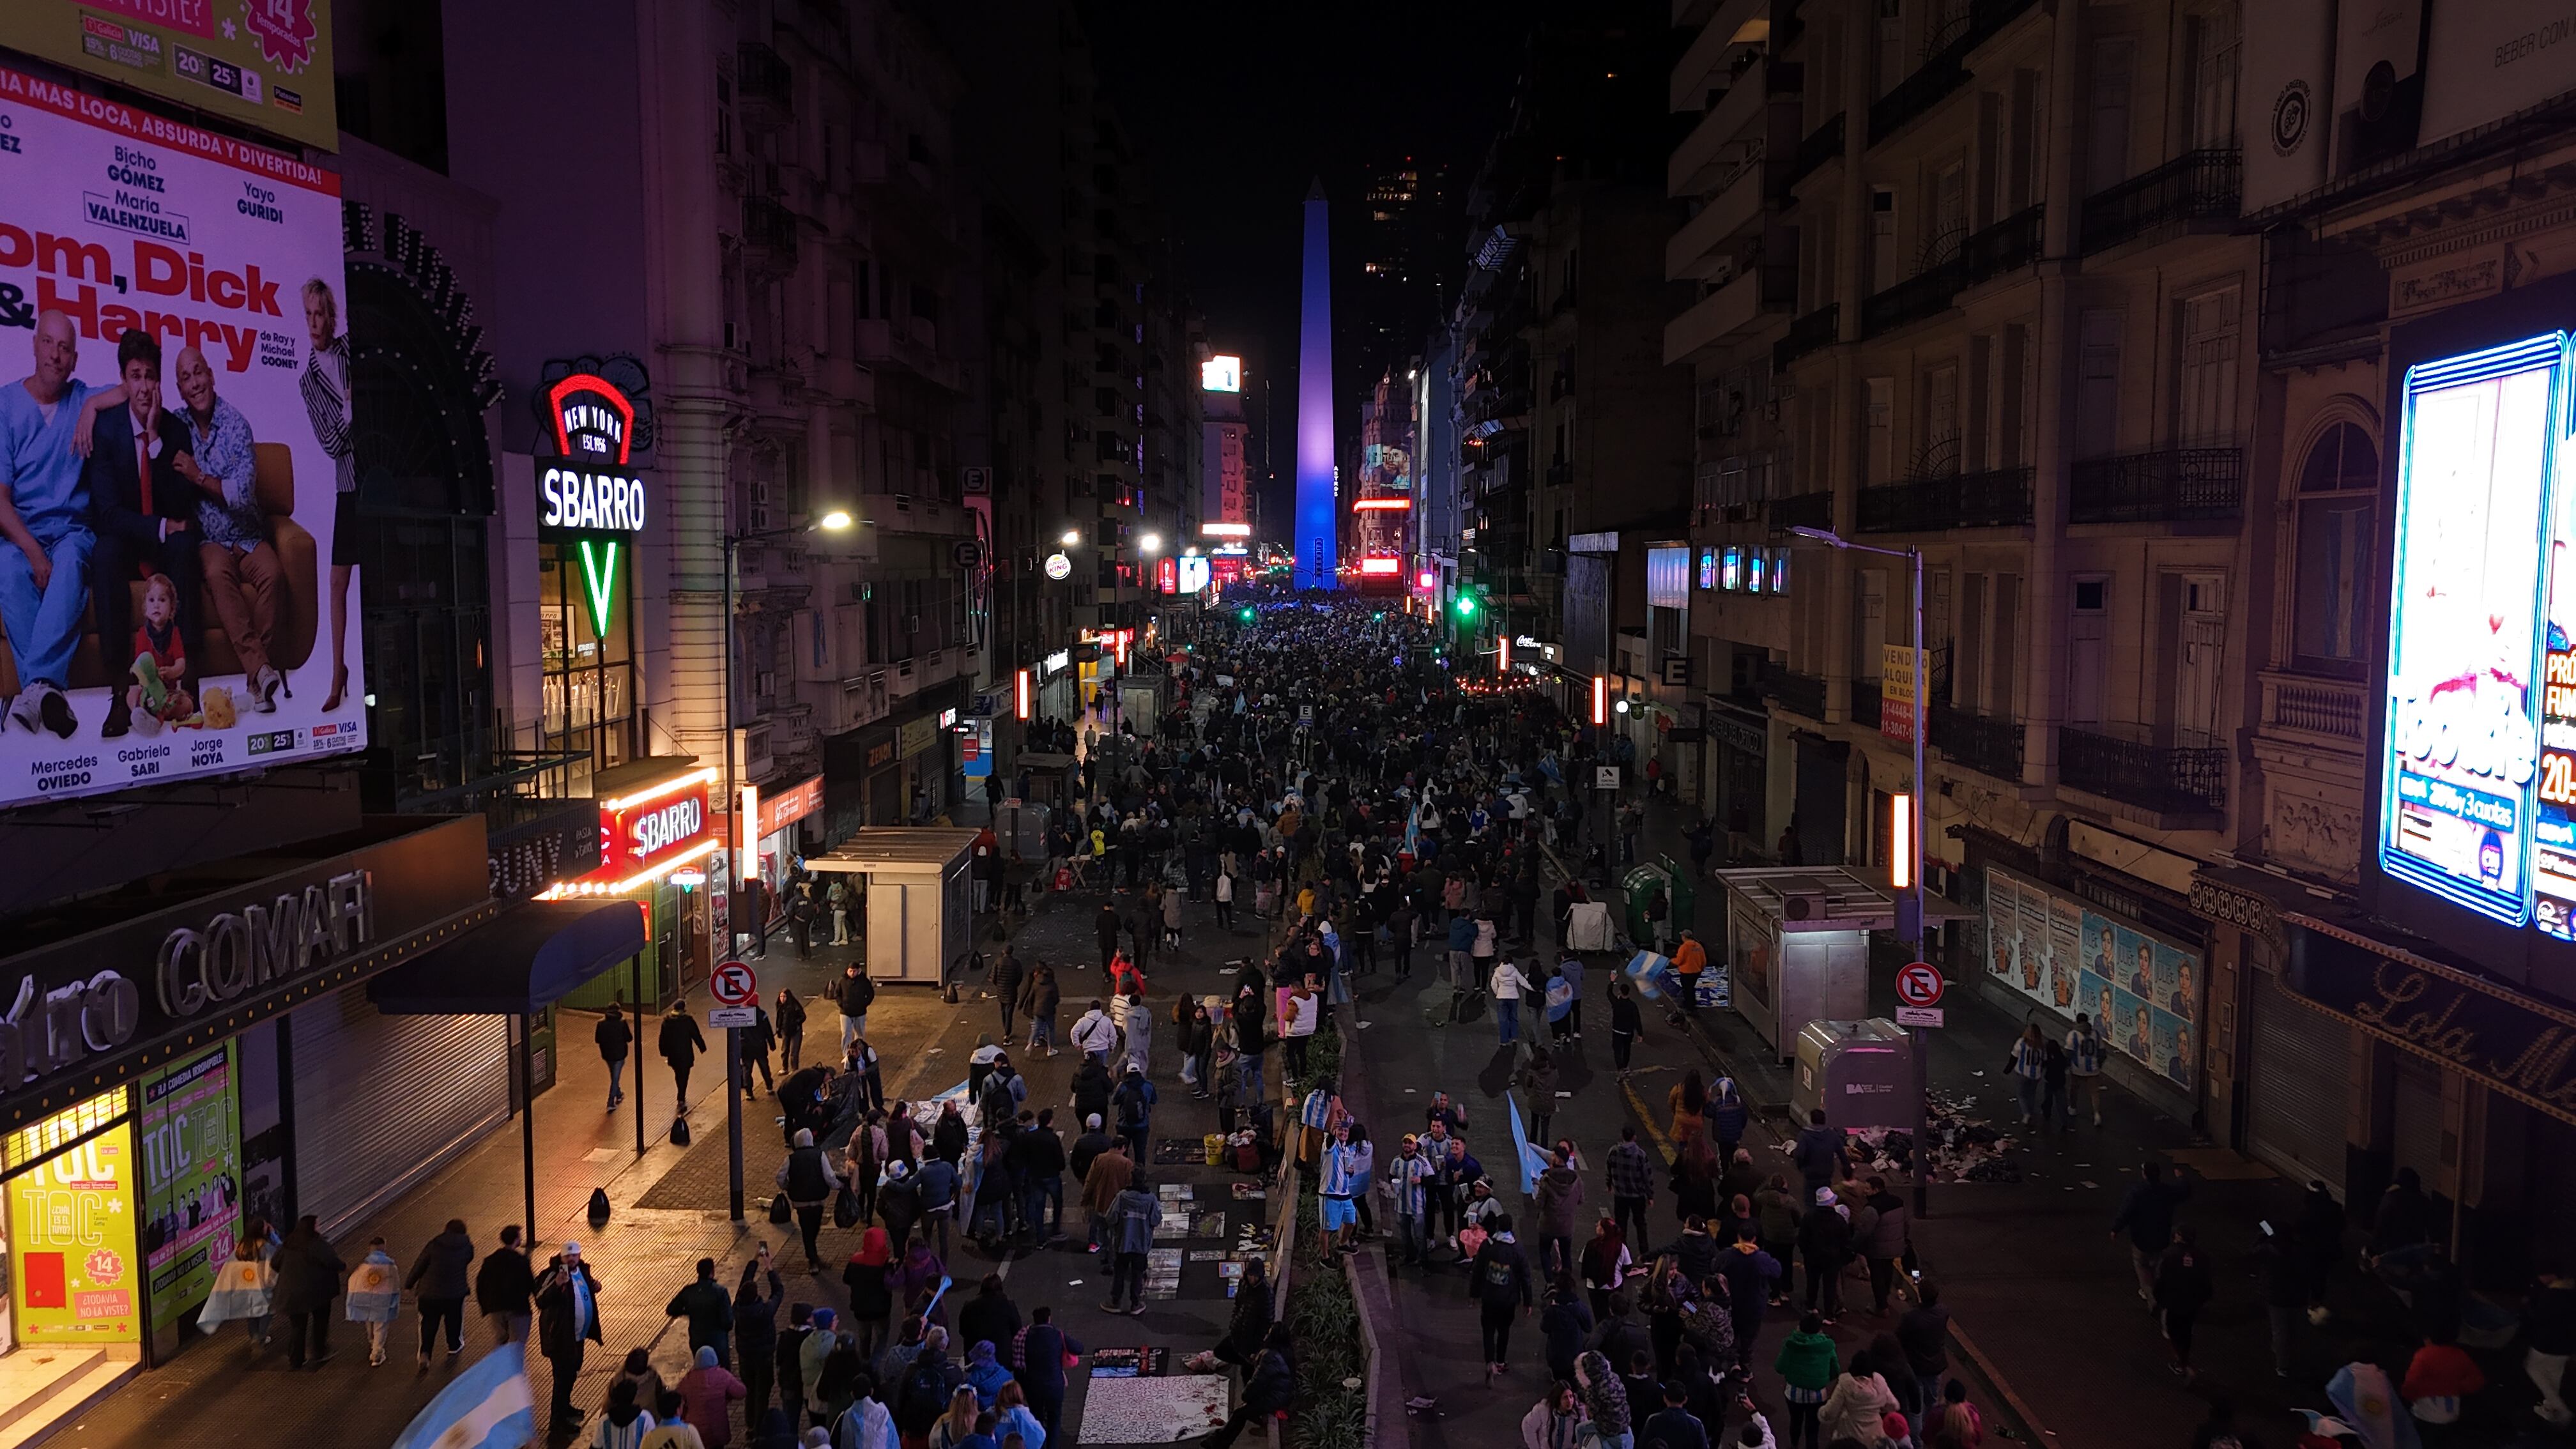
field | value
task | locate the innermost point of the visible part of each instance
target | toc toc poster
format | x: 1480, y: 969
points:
x: 176, y: 589
x: 2141, y: 991
x: 190, y: 1137
x: 72, y: 1269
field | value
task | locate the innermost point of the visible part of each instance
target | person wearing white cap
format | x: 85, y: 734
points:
x: 1824, y: 1243
x: 567, y: 1319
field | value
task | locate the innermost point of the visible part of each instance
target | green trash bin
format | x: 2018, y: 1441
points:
x: 1674, y: 880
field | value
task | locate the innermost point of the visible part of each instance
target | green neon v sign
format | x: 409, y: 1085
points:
x: 599, y: 573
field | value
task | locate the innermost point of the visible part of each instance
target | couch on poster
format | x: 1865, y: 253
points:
x: 176, y: 588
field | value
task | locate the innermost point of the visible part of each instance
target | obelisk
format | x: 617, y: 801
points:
x: 1318, y: 533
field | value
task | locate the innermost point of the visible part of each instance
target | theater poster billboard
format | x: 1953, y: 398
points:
x: 175, y: 453
x: 266, y: 63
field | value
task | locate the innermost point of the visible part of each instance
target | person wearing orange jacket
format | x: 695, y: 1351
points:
x: 1689, y: 960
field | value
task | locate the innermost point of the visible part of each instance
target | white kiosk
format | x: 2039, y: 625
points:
x: 1798, y: 944
x: 916, y: 889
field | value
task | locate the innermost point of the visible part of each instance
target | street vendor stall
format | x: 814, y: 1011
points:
x: 1798, y: 944
x: 915, y: 887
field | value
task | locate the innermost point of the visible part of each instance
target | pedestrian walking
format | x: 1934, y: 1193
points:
x: 1627, y: 1024
x: 1133, y: 1216
x: 787, y: 1016
x: 680, y: 1043
x: 374, y: 1298
x: 854, y: 993
x: 567, y: 1323
x: 708, y: 1309
x: 837, y: 897
x: 2084, y: 1068
x: 1807, y: 1366
x: 1003, y: 979
x: 2147, y: 1216
x: 441, y: 1275
x: 755, y: 1332
x: 308, y: 1278
x: 2182, y: 1289
x: 2026, y: 1064
x: 615, y: 1039
x: 1498, y: 1277
x: 809, y: 1182
x: 1509, y: 984
x: 505, y: 1289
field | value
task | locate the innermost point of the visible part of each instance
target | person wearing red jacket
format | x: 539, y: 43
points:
x: 2439, y: 1378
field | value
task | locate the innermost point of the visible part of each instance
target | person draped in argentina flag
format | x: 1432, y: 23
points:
x: 243, y: 1285
x: 375, y: 1295
x: 488, y: 1406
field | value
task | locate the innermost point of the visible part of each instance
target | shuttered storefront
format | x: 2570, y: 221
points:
x: 2298, y: 1081
x: 2416, y: 1119
x: 381, y: 1102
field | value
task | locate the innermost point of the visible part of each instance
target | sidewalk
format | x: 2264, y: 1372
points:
x: 216, y: 1388
x: 2029, y: 1270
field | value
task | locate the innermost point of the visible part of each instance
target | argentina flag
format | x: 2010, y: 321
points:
x: 487, y: 1407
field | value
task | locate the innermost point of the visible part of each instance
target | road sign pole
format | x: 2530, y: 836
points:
x: 733, y: 1118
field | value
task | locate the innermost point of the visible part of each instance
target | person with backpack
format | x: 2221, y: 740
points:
x: 615, y: 1038
x: 930, y: 1382
x: 1133, y: 1216
x: 1499, y: 1280
x: 1134, y: 1100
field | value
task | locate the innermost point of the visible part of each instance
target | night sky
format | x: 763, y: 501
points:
x: 1236, y: 107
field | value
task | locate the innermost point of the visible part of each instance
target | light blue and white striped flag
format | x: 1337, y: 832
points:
x: 487, y: 1407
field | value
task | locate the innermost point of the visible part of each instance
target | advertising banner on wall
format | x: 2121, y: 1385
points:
x: 190, y: 1138
x: 179, y: 622
x: 266, y: 63
x: 71, y: 1241
x: 2141, y: 990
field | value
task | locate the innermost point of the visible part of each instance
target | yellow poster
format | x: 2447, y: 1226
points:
x: 74, y: 1275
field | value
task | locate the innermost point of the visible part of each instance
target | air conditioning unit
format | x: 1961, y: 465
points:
x: 1802, y: 905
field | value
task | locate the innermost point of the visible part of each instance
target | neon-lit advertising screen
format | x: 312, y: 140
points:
x: 193, y: 614
x: 2471, y: 800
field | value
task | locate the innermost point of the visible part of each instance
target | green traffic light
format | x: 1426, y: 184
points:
x: 1247, y: 616
x: 1378, y: 618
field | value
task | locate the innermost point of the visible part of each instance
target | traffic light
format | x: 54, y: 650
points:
x: 1378, y: 618
x: 1247, y: 614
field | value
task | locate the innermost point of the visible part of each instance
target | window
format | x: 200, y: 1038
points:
x: 2097, y: 384
x: 1880, y: 461
x: 2107, y: 135
x: 2088, y: 647
x: 2205, y: 391
x: 2337, y: 506
x: 589, y: 693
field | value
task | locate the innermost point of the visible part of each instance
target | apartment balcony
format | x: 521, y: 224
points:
x: 2309, y: 710
x: 2172, y: 485
x: 1931, y: 83
x: 2124, y: 763
x: 1732, y: 132
x: 1731, y: 311
x: 769, y: 229
x: 1801, y: 694
x: 1818, y: 146
x: 1983, y: 743
x: 1706, y: 246
x: 1994, y: 498
x: 1925, y: 294
x: 764, y: 84
x: 1703, y: 67
x: 1818, y: 329
x: 2197, y: 186
x: 2007, y: 246
x: 912, y: 344
x: 1802, y: 510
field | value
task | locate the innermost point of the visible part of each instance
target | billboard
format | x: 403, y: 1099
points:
x: 181, y: 622
x: 265, y: 63
x: 2142, y: 991
x: 71, y: 1238
x: 2465, y: 774
x: 190, y: 1137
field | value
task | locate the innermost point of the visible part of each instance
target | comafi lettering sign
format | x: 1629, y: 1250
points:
x: 98, y: 1008
x: 2514, y: 1044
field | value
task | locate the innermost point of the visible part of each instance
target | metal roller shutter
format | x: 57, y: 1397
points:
x: 2299, y: 1079
x: 381, y: 1102
x: 2416, y: 1121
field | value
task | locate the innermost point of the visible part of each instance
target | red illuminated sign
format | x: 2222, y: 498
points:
x: 1167, y: 576
x: 637, y: 835
x: 1382, y: 505
x: 788, y: 806
x: 1388, y: 566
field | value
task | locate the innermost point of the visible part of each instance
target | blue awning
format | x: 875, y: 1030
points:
x: 529, y: 958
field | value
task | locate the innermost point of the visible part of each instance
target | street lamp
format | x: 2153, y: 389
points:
x: 836, y: 521
x: 1072, y: 537
x: 1907, y: 837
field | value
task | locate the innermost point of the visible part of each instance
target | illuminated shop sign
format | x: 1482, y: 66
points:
x: 2480, y: 774
x: 644, y: 834
x: 1221, y: 374
x: 589, y: 495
